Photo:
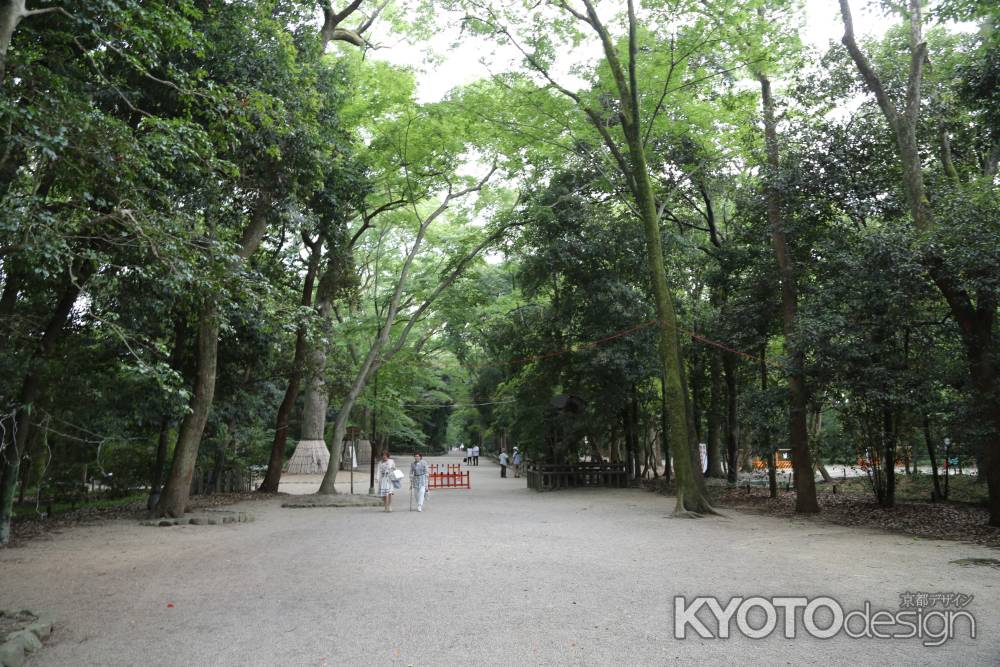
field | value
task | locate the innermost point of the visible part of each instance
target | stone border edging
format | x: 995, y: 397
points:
x: 338, y: 500
x: 203, y: 518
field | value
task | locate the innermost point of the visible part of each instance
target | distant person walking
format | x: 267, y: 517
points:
x: 475, y: 455
x: 386, y: 477
x: 503, y: 464
x: 517, y: 460
x: 418, y: 479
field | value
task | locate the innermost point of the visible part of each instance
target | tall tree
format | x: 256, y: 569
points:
x: 798, y: 398
x: 384, y: 346
x: 617, y: 107
x: 973, y: 306
x: 265, y: 187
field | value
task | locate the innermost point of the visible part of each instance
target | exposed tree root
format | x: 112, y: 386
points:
x: 701, y: 508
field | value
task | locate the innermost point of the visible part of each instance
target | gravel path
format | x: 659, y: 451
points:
x: 498, y: 575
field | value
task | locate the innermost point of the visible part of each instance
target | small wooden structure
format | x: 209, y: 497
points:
x: 552, y: 476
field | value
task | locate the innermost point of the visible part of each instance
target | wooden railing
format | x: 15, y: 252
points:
x: 232, y: 480
x: 550, y: 476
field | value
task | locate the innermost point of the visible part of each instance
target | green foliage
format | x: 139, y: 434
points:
x: 140, y: 138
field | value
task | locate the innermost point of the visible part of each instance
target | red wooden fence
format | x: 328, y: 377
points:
x: 448, y: 476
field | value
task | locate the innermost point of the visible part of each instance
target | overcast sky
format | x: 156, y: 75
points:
x: 463, y: 65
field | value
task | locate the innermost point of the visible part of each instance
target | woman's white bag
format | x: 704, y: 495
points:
x: 398, y: 474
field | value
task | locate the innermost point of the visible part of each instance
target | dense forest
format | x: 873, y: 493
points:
x: 231, y: 229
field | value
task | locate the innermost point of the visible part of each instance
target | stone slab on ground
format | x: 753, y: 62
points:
x: 210, y: 517
x: 339, y: 500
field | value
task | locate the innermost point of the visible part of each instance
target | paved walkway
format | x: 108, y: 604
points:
x: 494, y: 576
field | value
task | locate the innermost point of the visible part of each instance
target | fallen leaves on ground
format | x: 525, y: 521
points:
x: 32, y: 526
x: 948, y: 521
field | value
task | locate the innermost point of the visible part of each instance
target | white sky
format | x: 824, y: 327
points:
x: 463, y: 64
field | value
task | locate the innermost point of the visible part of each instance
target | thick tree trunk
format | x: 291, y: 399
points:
x: 317, y: 398
x: 987, y: 408
x: 638, y: 447
x: 715, y: 419
x: 312, y: 453
x: 689, y: 497
x: 732, y: 419
x: 11, y: 13
x: 805, y: 485
x: 635, y: 170
x: 174, y: 500
x: 163, y: 441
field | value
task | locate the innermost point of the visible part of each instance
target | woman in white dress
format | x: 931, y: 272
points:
x: 386, y: 488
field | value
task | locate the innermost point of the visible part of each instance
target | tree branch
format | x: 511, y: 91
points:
x: 445, y: 283
x: 633, y: 49
x: 865, y: 67
x: 918, y: 56
x: 331, y: 30
x: 595, y: 118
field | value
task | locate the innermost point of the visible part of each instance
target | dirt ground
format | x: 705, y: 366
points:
x: 498, y: 575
